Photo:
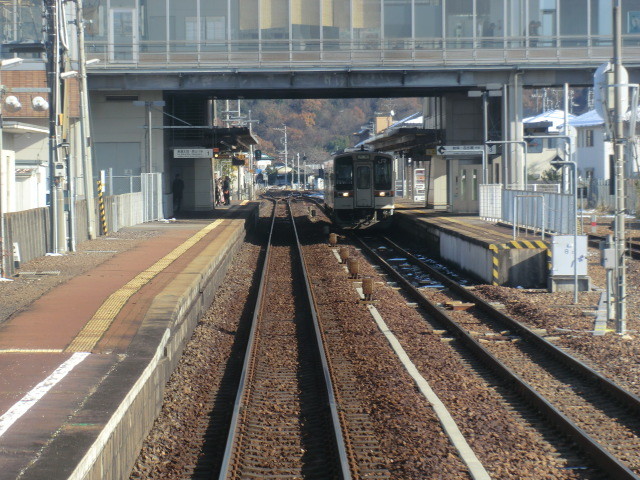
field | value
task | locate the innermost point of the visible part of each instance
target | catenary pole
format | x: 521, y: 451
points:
x: 619, y: 233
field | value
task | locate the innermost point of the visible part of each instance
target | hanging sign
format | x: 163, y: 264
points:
x: 193, y: 153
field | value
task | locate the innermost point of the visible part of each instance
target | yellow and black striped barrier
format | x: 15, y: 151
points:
x: 103, y: 215
x: 515, y: 244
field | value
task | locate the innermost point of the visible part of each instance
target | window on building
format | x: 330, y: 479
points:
x: 428, y: 23
x: 588, y: 138
x: 336, y: 21
x: 397, y: 20
x: 366, y: 20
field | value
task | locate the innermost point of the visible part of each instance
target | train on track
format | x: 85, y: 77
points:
x: 359, y: 189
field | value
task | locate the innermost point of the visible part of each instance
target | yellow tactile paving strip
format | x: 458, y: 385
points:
x: 93, y: 331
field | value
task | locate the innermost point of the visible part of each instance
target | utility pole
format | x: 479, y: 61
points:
x: 286, y: 153
x: 618, y: 142
x: 85, y: 126
x: 286, y: 156
x: 58, y: 230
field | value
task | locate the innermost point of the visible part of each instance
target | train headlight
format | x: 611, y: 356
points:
x: 384, y: 193
x: 344, y: 194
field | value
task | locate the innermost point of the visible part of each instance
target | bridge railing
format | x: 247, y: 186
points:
x: 408, y: 53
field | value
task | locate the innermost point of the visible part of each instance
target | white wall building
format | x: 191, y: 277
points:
x: 594, y: 151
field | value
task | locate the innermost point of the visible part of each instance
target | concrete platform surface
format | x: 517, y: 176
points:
x: 82, y: 367
x: 485, y: 250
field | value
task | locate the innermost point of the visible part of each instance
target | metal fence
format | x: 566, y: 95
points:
x: 121, y: 184
x: 540, y: 211
x: 149, y: 184
x: 406, y: 53
x: 152, y: 199
x: 600, y: 196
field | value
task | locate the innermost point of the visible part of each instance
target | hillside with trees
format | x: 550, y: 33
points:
x: 318, y: 127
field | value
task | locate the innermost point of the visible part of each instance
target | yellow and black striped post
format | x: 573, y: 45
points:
x: 496, y: 265
x: 103, y: 215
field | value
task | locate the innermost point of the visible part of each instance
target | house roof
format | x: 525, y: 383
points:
x: 415, y: 119
x: 26, y: 172
x: 554, y: 119
x: 21, y: 127
x: 589, y: 119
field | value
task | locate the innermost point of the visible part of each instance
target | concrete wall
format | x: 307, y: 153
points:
x: 32, y: 147
x: 516, y: 267
x: 525, y: 268
x: 437, y: 189
x: 30, y: 229
x: 116, y: 121
x: 463, y: 121
x: 471, y: 258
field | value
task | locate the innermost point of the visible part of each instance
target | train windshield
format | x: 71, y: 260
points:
x: 363, y: 177
x: 382, y: 173
x: 344, y: 173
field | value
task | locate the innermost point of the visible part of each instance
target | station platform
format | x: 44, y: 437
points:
x: 83, y: 368
x: 485, y: 250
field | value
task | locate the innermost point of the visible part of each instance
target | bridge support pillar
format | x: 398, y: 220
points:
x: 512, y: 157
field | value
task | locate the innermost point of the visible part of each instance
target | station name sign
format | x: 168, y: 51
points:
x: 460, y: 150
x: 193, y: 153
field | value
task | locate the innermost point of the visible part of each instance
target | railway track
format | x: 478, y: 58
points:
x: 632, y: 248
x: 600, y: 417
x: 285, y: 422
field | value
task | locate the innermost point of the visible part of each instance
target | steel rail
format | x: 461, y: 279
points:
x: 333, y: 405
x: 632, y: 249
x: 620, y: 394
x: 237, y: 406
x: 249, y: 357
x: 599, y: 455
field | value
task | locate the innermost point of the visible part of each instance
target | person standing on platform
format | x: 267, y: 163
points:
x: 226, y: 190
x: 217, y: 192
x: 178, y: 189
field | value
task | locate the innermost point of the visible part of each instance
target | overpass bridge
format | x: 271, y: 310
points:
x: 285, y: 47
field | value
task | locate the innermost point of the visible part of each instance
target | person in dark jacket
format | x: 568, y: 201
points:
x: 178, y: 189
x: 226, y: 190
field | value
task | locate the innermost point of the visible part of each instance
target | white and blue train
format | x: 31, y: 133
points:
x: 358, y: 189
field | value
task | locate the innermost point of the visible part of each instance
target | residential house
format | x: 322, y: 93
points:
x: 540, y: 151
x: 594, y: 152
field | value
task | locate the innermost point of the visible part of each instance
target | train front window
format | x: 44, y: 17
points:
x: 363, y: 177
x: 382, y: 173
x: 344, y: 173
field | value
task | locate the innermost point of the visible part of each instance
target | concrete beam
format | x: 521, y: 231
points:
x: 330, y: 83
